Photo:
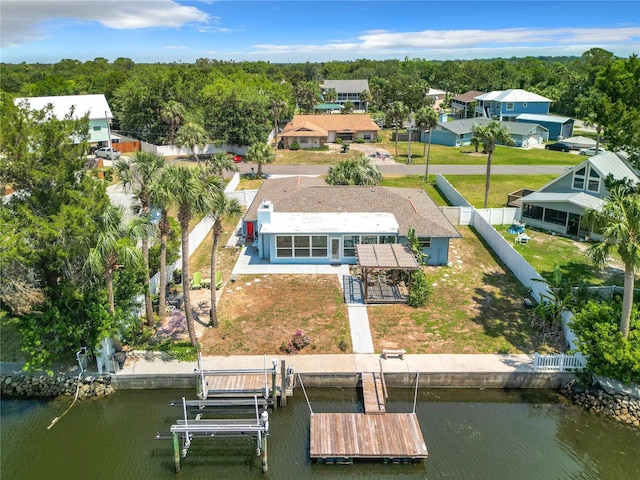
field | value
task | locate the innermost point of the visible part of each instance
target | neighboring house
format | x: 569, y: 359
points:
x: 437, y: 96
x: 463, y: 105
x: 506, y: 105
x: 95, y: 106
x: 313, y: 131
x: 304, y: 220
x: 560, y: 205
x: 348, y: 91
x: 460, y: 132
x: 559, y: 127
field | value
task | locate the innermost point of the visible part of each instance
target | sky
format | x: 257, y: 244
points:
x: 48, y: 31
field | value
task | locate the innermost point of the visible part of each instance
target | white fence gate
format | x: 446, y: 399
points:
x: 558, y: 363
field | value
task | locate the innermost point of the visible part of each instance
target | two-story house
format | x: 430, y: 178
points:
x: 506, y: 105
x: 95, y: 106
x: 560, y: 205
x: 348, y: 91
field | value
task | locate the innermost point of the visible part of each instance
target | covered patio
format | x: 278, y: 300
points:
x: 385, y: 272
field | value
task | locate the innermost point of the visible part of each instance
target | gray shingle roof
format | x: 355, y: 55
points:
x: 412, y: 208
x: 347, y: 86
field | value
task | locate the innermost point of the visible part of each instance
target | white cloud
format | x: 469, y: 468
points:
x: 175, y: 47
x: 23, y: 20
x: 503, y: 40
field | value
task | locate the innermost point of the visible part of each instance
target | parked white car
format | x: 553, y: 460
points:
x: 590, y: 152
x: 107, y: 152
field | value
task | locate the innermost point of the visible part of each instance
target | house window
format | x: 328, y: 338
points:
x: 555, y: 216
x: 387, y: 239
x: 425, y: 242
x: 368, y: 239
x: 594, y: 181
x: 349, y: 245
x: 97, y: 128
x: 367, y: 135
x: 319, y: 245
x: 509, y: 105
x: 531, y: 211
x: 304, y: 139
x: 524, y: 105
x: 578, y: 178
x: 302, y: 246
x: 284, y: 246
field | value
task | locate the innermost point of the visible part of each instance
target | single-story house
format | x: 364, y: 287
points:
x: 304, y: 220
x: 313, y: 131
x: 95, y: 106
x: 348, y: 91
x: 460, y: 132
x: 463, y: 104
x: 560, y: 205
x: 559, y: 127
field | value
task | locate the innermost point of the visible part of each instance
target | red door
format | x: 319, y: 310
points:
x: 250, y: 231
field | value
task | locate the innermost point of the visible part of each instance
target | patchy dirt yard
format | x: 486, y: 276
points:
x: 260, y: 314
x: 476, y: 307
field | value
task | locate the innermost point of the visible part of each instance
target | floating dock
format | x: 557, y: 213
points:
x: 343, y: 437
x: 373, y: 435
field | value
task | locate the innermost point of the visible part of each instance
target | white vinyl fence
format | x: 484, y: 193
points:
x: 481, y: 220
x: 558, y: 363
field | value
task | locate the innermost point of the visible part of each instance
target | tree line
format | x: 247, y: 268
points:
x: 240, y: 102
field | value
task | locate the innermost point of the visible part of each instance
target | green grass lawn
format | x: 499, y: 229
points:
x: 544, y: 251
x: 472, y: 186
x: 442, y: 155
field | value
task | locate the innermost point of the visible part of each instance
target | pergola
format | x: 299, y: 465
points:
x: 382, y: 265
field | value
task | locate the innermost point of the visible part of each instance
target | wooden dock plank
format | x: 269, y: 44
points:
x: 236, y: 384
x: 356, y: 435
x: 372, y: 393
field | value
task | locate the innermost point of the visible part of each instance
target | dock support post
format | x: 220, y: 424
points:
x: 283, y: 383
x: 265, y: 463
x: 176, y: 452
x: 274, y: 384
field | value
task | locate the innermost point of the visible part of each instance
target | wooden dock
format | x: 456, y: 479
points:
x: 237, y: 385
x: 343, y: 437
x: 373, y: 393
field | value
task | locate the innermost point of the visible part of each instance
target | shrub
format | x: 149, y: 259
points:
x: 359, y: 140
x: 182, y: 351
x: 294, y: 146
x: 421, y: 290
x: 338, y: 140
x: 599, y: 337
x: 297, y: 343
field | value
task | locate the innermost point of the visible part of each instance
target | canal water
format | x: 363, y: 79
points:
x: 470, y: 434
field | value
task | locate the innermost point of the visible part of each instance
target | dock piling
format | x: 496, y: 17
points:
x: 176, y: 452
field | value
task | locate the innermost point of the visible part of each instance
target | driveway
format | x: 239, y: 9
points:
x: 377, y: 155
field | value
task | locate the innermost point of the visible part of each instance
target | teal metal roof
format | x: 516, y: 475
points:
x: 328, y: 106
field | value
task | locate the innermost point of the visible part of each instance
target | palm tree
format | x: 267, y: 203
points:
x: 620, y: 225
x: 160, y: 198
x: 261, y: 154
x: 189, y: 191
x: 223, y: 208
x: 115, y: 247
x: 366, y: 97
x: 137, y: 177
x: 354, y: 172
x: 330, y: 95
x: 426, y: 119
x: 490, y: 134
x: 220, y: 162
x: 306, y: 94
x: 278, y: 107
x: 192, y: 135
x: 172, y: 113
x: 397, y: 112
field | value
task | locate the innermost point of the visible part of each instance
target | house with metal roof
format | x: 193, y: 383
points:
x: 304, y: 220
x: 313, y: 131
x: 460, y: 132
x: 348, y: 91
x: 95, y: 106
x: 560, y: 205
x: 506, y: 105
x: 559, y: 127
